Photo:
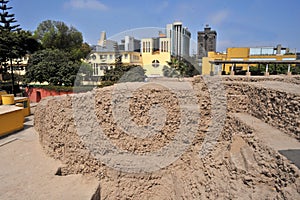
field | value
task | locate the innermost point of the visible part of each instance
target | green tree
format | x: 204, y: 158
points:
x: 123, y: 73
x: 8, y: 41
x: 52, y: 66
x: 183, y: 67
x: 169, y: 72
x: 57, y: 35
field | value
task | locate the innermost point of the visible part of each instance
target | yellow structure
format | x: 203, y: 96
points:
x: 246, y: 54
x: 7, y: 99
x: 100, y: 61
x: 156, y: 52
x: 25, y: 104
x: 11, y: 119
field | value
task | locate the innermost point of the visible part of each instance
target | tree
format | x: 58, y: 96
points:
x: 52, y: 66
x: 8, y: 41
x: 57, y: 35
x: 169, y: 72
x: 124, y: 73
x: 183, y: 67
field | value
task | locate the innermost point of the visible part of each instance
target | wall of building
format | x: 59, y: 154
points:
x: 155, y: 55
x: 36, y: 94
x: 240, y: 54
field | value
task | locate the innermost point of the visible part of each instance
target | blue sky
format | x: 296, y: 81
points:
x: 238, y: 23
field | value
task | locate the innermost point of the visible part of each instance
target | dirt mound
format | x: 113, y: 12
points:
x: 167, y: 140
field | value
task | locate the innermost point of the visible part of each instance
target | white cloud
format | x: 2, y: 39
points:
x: 86, y: 4
x: 219, y: 17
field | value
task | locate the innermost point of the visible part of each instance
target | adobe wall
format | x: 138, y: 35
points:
x: 238, y: 166
x: 279, y: 107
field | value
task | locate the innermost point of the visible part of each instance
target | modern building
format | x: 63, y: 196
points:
x: 239, y: 59
x: 157, y: 51
x: 179, y: 39
x: 130, y: 44
x: 104, y: 55
x: 207, y: 41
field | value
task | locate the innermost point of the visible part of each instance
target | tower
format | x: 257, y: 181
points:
x: 180, y: 39
x: 207, y: 41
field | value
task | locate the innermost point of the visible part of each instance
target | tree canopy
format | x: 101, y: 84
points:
x: 123, y: 73
x: 182, y: 66
x: 52, y: 66
x: 57, y: 35
x: 60, y: 58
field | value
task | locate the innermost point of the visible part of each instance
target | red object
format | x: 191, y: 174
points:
x: 36, y: 94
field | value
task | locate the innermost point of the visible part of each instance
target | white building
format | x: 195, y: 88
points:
x: 180, y: 39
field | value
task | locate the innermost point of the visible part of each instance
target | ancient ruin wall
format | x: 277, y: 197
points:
x: 240, y: 166
x: 279, y: 108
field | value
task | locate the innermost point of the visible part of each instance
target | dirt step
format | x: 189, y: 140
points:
x: 270, y: 135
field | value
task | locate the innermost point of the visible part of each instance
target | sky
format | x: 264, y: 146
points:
x: 239, y: 23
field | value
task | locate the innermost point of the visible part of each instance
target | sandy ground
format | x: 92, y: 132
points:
x: 27, y: 173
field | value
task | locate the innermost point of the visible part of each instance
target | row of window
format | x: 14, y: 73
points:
x: 97, y: 68
x: 111, y: 57
x: 146, y: 47
x: 164, y: 45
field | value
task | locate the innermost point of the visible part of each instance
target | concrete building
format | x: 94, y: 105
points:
x: 180, y: 39
x: 130, y: 44
x: 156, y: 52
x: 240, y: 54
x: 104, y: 55
x: 207, y: 41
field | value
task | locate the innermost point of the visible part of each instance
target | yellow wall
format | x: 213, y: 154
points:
x: 26, y: 104
x: 240, y: 52
x: 206, y: 66
x: 234, y: 53
x: 162, y: 57
x: 11, y: 119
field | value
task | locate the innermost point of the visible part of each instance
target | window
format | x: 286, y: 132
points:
x: 125, y: 56
x: 93, y: 56
x: 155, y: 63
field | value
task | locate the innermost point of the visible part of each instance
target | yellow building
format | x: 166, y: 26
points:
x: 100, y: 61
x: 156, y: 52
x: 239, y: 54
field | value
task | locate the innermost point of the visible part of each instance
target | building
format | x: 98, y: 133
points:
x: 179, y: 39
x: 104, y: 55
x: 19, y: 66
x: 207, y: 41
x: 239, y: 59
x: 156, y: 52
x: 130, y: 44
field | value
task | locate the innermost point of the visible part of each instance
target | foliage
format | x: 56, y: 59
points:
x: 57, y: 35
x: 124, y: 73
x: 64, y: 88
x: 183, y: 67
x: 169, y: 72
x: 52, y: 66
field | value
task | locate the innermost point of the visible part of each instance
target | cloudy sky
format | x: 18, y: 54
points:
x: 237, y: 22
